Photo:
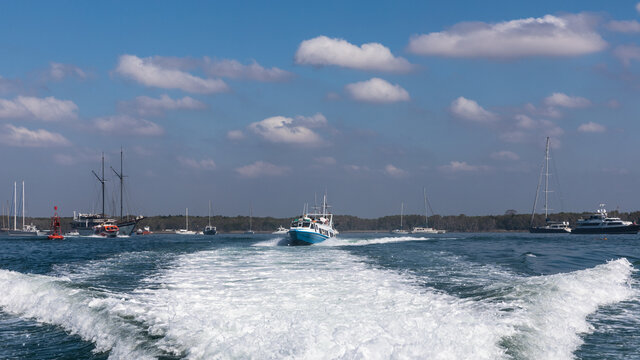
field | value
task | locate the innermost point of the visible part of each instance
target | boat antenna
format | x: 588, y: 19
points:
x: 120, y: 176
x: 22, y: 204
x: 546, y: 181
x: 535, y: 201
x: 15, y: 206
x: 102, y: 180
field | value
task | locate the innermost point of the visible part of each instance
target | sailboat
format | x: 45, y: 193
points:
x: 186, y: 231
x: 250, y: 231
x: 400, y: 231
x: 27, y: 230
x: 550, y: 226
x: 426, y: 229
x: 209, y: 230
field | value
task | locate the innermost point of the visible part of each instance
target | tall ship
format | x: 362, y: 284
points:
x: 313, y: 227
x: 549, y: 226
x: 426, y: 229
x: 600, y: 223
x: 100, y: 224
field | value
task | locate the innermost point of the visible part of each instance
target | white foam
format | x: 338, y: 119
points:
x: 342, y: 241
x: 50, y: 300
x: 552, y: 310
x: 317, y: 304
x: 271, y: 242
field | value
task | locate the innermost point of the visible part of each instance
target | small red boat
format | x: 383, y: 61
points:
x: 107, y: 230
x: 55, y: 226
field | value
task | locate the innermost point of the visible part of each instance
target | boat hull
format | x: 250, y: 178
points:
x: 306, y: 237
x: 629, y: 229
x: 127, y: 227
x: 207, y: 231
x: 544, y: 230
x: 18, y: 233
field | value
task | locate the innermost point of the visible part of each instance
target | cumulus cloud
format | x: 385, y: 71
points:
x: 22, y: 137
x: 262, y: 168
x: 148, y: 106
x: 627, y: 53
x: 58, y: 71
x: 591, y: 127
x: 204, y: 164
x: 235, y: 135
x: 564, y: 100
x: 150, y: 73
x: 127, y: 125
x: 470, y: 110
x: 638, y: 7
x: 46, y: 109
x: 462, y: 167
x: 377, y: 90
x: 324, y: 51
x: 505, y: 155
x: 393, y: 171
x: 624, y: 26
x: 280, y: 129
x: 236, y: 70
x: 549, y: 35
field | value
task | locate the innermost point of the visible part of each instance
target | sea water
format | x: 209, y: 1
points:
x: 358, y: 296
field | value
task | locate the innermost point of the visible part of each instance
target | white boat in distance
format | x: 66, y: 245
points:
x: 400, y: 231
x: 426, y: 229
x: 600, y: 223
x: 28, y: 230
x: 281, y: 230
x: 186, y: 231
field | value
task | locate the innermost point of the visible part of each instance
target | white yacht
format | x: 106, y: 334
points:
x: 186, y: 231
x: 400, y: 231
x: 600, y: 223
x: 281, y: 230
x: 426, y: 229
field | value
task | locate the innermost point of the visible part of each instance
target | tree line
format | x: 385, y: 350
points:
x: 510, y: 221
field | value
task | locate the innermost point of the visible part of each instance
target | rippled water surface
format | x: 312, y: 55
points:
x: 359, y: 296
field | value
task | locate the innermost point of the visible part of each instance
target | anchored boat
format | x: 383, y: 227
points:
x: 600, y: 223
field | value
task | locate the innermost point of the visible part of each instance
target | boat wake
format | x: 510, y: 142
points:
x: 261, y: 302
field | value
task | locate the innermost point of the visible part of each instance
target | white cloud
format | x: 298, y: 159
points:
x: 236, y: 70
x: 356, y: 168
x: 470, y: 110
x: 624, y: 26
x: 314, y: 121
x: 626, y: 53
x: 550, y: 35
x: 46, y: 109
x: 127, y: 125
x: 505, y: 155
x: 564, y: 100
x: 394, y: 171
x: 591, y: 127
x: 58, y: 71
x: 323, y: 51
x: 280, y: 129
x: 525, y: 129
x: 148, y: 106
x: 23, y: 137
x: 262, y: 168
x: 204, y: 164
x: 235, y: 135
x: 462, y: 167
x: 149, y: 73
x: 377, y: 90
x: 638, y: 7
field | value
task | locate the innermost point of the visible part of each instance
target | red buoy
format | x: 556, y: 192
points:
x: 55, y: 226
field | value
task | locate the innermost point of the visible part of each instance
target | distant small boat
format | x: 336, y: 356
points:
x: 600, y: 223
x: 250, y: 231
x: 106, y: 230
x: 72, y: 233
x: 313, y: 228
x: 400, y: 231
x: 426, y: 229
x: 55, y: 226
x: 144, y: 231
x: 551, y: 227
x: 186, y: 231
x: 209, y: 229
x: 281, y: 230
x: 28, y: 230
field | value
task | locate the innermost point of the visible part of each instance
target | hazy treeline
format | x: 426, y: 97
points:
x: 458, y: 223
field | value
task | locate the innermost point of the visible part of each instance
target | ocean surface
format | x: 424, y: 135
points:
x: 359, y: 296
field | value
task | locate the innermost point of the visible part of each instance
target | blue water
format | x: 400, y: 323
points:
x: 449, y: 296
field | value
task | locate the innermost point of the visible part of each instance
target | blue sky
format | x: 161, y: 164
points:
x: 265, y: 104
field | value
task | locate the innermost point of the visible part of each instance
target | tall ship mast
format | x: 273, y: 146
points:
x: 550, y: 226
x: 126, y: 224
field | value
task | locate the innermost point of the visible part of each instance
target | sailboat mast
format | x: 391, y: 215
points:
x: 23, y: 204
x: 187, y: 218
x: 426, y: 215
x: 401, y: 211
x: 101, y: 179
x: 15, y: 205
x: 250, y: 215
x: 121, y: 182
x: 209, y: 213
x: 546, y: 181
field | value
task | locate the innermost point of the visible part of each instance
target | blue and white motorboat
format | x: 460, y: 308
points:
x: 313, y: 228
